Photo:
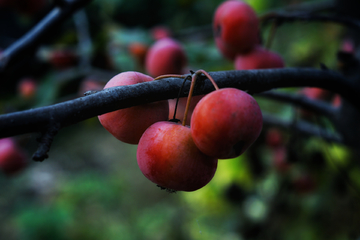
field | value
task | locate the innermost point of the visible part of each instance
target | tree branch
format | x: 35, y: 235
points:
x: 282, y: 17
x: 35, y: 36
x: 318, y: 106
x: 107, y: 100
x: 303, y: 128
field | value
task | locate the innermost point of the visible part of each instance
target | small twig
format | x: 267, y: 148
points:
x: 45, y: 142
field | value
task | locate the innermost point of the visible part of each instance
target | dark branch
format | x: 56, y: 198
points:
x: 45, y: 142
x: 35, y: 36
x: 254, y: 81
x: 318, y: 106
x: 304, y: 16
x: 303, y: 128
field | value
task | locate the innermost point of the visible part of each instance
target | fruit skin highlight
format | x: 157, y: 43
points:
x: 167, y: 156
x: 225, y: 123
x: 236, y: 28
x: 129, y: 124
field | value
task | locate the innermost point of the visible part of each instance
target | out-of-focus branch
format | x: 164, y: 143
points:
x: 254, y: 81
x: 320, y: 107
x: 303, y: 128
x: 29, y: 42
x: 84, y: 39
x: 282, y: 17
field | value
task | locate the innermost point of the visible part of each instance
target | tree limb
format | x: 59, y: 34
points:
x: 303, y: 128
x: 318, y: 106
x: 35, y: 36
x: 282, y: 17
x: 107, y: 100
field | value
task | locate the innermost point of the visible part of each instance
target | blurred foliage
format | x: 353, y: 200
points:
x: 91, y: 188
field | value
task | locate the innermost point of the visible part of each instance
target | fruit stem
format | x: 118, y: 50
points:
x: 178, y: 97
x: 169, y: 76
x: 192, y: 86
x: 209, y: 77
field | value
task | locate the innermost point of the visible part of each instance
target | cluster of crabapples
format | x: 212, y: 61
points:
x: 237, y: 36
x: 180, y: 157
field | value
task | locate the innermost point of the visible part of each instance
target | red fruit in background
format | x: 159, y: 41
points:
x: 258, y: 58
x: 336, y: 101
x: 62, y: 58
x: 129, y: 124
x: 165, y: 56
x: 160, y: 32
x: 138, y: 51
x: 167, y: 156
x: 89, y: 84
x: 274, y: 138
x: 348, y: 46
x: 225, y: 123
x: 316, y: 93
x: 29, y: 7
x: 235, y: 27
x: 304, y: 183
x: 27, y: 88
x: 280, y: 159
x: 12, y: 158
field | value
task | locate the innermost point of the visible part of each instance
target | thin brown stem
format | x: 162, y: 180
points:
x: 192, y: 86
x: 209, y: 77
x: 169, y: 76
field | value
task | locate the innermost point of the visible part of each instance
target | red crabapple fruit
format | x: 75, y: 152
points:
x: 165, y: 56
x: 129, y: 124
x: 236, y: 28
x: 12, y: 157
x: 258, y: 58
x: 27, y: 88
x: 168, y: 156
x: 225, y: 123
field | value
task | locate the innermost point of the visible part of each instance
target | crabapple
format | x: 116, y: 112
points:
x: 225, y: 123
x: 159, y: 32
x: 280, y: 159
x: 236, y: 28
x: 165, y: 56
x: 316, y: 93
x: 89, y: 84
x: 258, y: 58
x: 129, y: 124
x: 12, y: 157
x: 168, y: 156
x: 138, y: 51
x: 62, y: 58
x: 274, y: 138
x: 27, y: 88
x: 336, y: 101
